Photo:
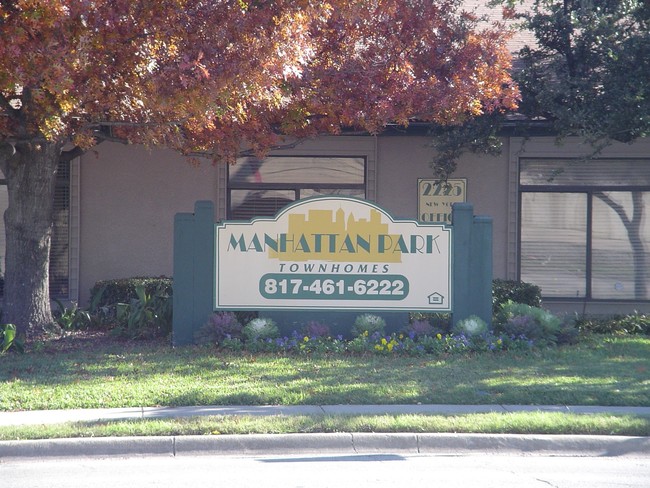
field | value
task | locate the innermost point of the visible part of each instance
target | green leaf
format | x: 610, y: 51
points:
x: 8, y: 337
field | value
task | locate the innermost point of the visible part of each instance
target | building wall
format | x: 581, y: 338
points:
x: 402, y: 160
x: 129, y: 196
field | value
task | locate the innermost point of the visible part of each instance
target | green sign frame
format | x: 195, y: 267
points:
x: 199, y: 248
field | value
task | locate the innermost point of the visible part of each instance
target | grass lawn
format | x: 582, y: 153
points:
x: 600, y: 370
x: 510, y: 423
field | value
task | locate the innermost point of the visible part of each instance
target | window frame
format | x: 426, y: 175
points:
x: 589, y: 190
x: 297, y: 187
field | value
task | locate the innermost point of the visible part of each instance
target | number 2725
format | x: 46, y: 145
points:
x: 441, y: 189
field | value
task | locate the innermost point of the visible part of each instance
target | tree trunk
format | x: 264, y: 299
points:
x: 633, y: 228
x: 31, y: 177
x: 638, y: 248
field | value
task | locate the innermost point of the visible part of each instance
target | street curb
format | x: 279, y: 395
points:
x: 86, y: 447
x: 326, y: 443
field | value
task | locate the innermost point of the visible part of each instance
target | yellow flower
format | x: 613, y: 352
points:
x: 306, y: 339
x: 401, y: 336
x: 379, y: 348
x: 389, y: 346
x: 365, y: 333
x: 499, y: 341
x: 439, y: 336
x: 383, y: 341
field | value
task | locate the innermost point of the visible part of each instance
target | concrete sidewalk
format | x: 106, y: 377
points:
x: 317, y: 444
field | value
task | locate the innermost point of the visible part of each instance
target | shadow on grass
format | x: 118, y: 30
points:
x: 607, y: 371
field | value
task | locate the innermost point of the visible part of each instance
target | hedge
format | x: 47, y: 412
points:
x: 123, y: 290
x: 517, y: 291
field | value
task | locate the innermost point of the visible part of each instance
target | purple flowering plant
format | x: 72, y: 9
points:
x: 314, y: 330
x: 261, y: 335
x: 420, y: 328
x: 220, y: 326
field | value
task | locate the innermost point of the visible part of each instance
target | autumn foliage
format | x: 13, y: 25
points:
x: 210, y: 77
x: 206, y: 75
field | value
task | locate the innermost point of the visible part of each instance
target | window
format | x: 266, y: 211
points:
x: 585, y: 228
x: 60, y: 248
x: 59, y: 252
x: 261, y: 187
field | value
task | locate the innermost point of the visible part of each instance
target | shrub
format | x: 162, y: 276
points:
x: 245, y: 316
x: 568, y: 332
x: 220, y: 326
x: 599, y: 325
x: 522, y: 325
x: 471, y: 326
x: 148, y: 315
x: 635, y: 323
x: 232, y: 344
x: 520, y: 319
x: 314, y: 330
x: 8, y: 339
x: 260, y: 329
x: 137, y: 307
x: 441, y: 322
x: 124, y: 290
x: 368, y: 324
x: 515, y: 291
x: 419, y: 328
x: 72, y: 317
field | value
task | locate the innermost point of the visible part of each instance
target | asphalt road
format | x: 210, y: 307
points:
x: 336, y: 471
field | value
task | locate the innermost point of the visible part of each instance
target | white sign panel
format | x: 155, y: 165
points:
x: 335, y: 253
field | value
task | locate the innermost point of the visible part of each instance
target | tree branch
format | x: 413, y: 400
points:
x: 6, y: 106
x: 119, y: 123
x: 617, y: 207
x: 637, y: 200
x: 277, y: 147
x: 7, y: 149
x: 67, y: 156
x: 250, y: 152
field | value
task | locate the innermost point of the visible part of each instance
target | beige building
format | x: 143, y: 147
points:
x: 580, y: 230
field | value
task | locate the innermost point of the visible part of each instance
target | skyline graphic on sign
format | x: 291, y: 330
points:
x: 321, y: 235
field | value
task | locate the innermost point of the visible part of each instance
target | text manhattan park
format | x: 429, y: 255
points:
x: 335, y: 243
